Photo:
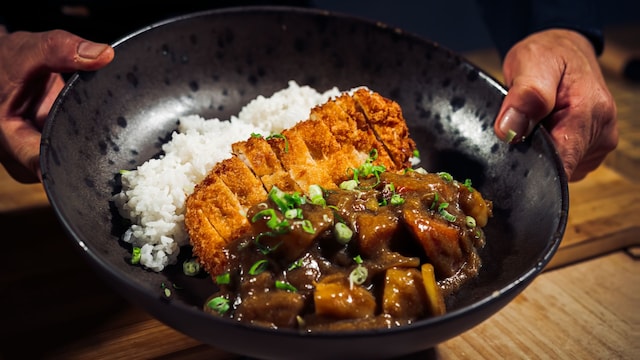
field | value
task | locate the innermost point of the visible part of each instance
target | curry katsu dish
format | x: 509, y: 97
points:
x: 327, y: 225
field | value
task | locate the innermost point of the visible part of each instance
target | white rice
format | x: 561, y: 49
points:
x: 153, y: 195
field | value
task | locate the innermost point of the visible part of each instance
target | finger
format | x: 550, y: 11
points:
x: 595, y: 154
x: 570, y: 135
x: 52, y: 89
x: 58, y: 51
x: 531, y: 95
x: 23, y: 161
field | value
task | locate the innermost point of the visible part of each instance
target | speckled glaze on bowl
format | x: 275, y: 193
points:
x: 213, y: 63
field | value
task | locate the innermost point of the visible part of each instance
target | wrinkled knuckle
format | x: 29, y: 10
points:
x: 50, y: 40
x: 604, y: 113
x: 539, y: 102
x: 608, y: 105
x: 604, y: 104
x: 571, y: 160
x: 54, y: 42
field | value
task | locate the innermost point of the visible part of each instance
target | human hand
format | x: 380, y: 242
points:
x: 554, y: 79
x: 30, y: 80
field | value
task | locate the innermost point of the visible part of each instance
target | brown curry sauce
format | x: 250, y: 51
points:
x: 292, y: 277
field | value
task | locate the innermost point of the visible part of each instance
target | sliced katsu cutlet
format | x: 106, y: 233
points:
x: 214, y: 216
x: 297, y: 160
x: 329, y: 155
x: 342, y: 128
x: 204, y: 238
x: 349, y: 126
x: 260, y: 158
x: 339, y: 135
x: 242, y: 182
x: 385, y: 118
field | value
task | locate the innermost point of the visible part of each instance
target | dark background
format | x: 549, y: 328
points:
x: 457, y: 24
x: 454, y: 24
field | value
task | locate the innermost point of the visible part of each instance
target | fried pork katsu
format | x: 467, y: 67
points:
x: 339, y: 136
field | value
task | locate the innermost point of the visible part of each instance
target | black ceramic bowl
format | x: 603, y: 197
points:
x: 213, y: 63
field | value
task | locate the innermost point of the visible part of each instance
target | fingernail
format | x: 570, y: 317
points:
x: 514, y: 125
x: 90, y: 50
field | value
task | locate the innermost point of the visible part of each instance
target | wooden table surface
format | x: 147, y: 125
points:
x: 583, y: 306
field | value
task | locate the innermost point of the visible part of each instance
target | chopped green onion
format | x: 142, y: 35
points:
x: 280, y: 136
x: 258, y: 267
x: 294, y: 199
x: 320, y: 201
x: 283, y: 285
x: 510, y: 136
x: 436, y: 197
x: 266, y: 213
x: 219, y: 304
x: 315, y: 190
x: 279, y: 198
x: 286, y: 202
x: 396, y: 199
x: 447, y: 215
x: 122, y: 172
x: 349, y: 185
x: 373, y: 154
x: 191, y: 267
x: 316, y: 194
x: 416, y: 153
x: 295, y: 265
x: 368, y: 168
x: 467, y: 184
x: 355, y: 175
x: 135, y: 255
x: 256, y: 135
x: 293, y: 214
x: 307, y: 226
x: 358, y: 275
x: 471, y: 222
x: 223, y: 279
x: 166, y: 290
x: 342, y: 233
x: 273, y: 222
x: 445, y: 176
x: 390, y: 187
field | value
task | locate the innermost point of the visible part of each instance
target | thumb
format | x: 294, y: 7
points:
x: 531, y: 95
x: 52, y: 51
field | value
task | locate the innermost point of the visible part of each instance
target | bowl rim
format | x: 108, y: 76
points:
x: 115, y: 276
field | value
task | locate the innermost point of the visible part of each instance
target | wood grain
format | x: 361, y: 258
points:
x: 585, y: 311
x: 603, y: 217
